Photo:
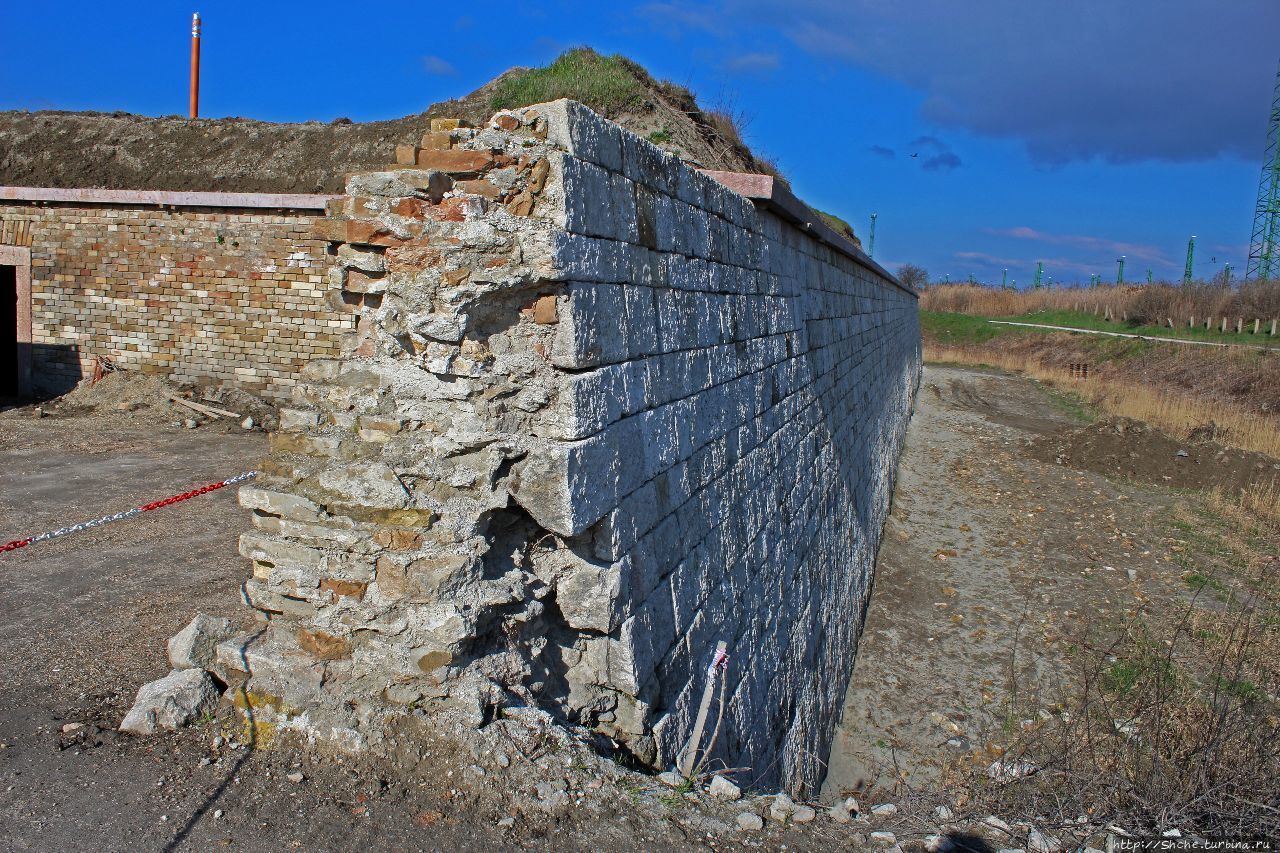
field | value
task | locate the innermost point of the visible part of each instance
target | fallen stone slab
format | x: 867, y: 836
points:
x: 195, y: 645
x: 171, y: 702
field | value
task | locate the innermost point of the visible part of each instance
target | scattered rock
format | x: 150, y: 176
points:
x: 295, y: 777
x: 1183, y: 453
x: 193, y: 647
x: 1038, y: 842
x: 71, y: 727
x: 671, y: 779
x: 171, y: 702
x: 803, y: 814
x: 247, y: 423
x: 552, y: 795
x: 217, y: 814
x: 886, y: 839
x: 996, y: 823
x: 750, y: 822
x: 1007, y: 770
x: 507, y: 822
x: 191, y: 423
x: 884, y: 810
x: 937, y: 843
x: 724, y: 789
x: 781, y: 808
x: 943, y: 814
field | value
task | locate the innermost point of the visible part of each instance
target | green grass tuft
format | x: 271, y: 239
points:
x: 1124, y: 676
x: 610, y: 85
x: 946, y: 328
x: 1242, y: 690
x: 838, y: 225
x: 1199, y: 582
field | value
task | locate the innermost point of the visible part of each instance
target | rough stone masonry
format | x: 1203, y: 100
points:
x: 598, y: 413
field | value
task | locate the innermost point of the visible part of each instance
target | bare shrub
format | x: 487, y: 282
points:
x: 913, y: 276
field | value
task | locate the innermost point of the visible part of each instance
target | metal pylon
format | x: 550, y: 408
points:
x: 1264, y: 245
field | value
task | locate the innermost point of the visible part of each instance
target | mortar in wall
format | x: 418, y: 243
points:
x: 598, y: 413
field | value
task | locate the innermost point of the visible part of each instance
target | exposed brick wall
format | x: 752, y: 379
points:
x: 201, y: 295
x: 599, y: 413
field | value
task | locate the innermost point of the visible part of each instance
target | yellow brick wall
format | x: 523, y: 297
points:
x: 214, y: 296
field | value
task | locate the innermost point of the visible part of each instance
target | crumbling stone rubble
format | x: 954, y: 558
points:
x: 597, y: 413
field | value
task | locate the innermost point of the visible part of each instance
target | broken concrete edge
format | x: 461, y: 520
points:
x: 774, y: 194
x: 171, y: 702
x: 166, y: 198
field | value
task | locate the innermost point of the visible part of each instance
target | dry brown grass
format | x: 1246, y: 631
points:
x: 1169, y: 718
x: 1174, y: 413
x: 1148, y: 304
x: 1257, y: 505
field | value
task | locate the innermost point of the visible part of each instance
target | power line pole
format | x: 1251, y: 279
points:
x: 1039, y: 274
x: 871, y: 246
x: 1226, y: 271
x: 1191, y: 254
x: 1264, y: 244
x: 1004, y: 278
x: 1120, y: 270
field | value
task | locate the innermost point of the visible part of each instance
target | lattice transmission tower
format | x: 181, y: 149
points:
x: 1264, y: 245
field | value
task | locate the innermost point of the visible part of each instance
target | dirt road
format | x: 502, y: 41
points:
x: 989, y: 551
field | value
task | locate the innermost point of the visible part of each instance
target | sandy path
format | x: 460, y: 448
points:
x: 984, y: 544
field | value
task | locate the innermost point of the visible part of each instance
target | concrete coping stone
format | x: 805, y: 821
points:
x: 168, y: 198
x: 776, y: 196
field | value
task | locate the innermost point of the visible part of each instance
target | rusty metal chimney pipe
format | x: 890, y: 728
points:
x: 195, y: 65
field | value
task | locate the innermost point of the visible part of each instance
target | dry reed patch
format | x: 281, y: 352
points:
x: 1256, y: 505
x: 1150, y: 304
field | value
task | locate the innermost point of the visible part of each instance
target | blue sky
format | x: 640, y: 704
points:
x: 1069, y: 133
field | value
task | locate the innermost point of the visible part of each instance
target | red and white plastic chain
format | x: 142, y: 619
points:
x: 718, y: 661
x: 128, y: 513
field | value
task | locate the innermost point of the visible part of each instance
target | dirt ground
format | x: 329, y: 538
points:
x: 1004, y: 543
x: 86, y: 621
x: 989, y: 539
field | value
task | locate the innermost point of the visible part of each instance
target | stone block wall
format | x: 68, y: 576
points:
x: 208, y: 296
x: 599, y: 413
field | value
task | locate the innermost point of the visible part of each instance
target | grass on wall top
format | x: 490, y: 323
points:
x: 610, y: 85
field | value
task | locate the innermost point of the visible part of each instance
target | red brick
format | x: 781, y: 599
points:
x: 406, y: 155
x: 479, y: 187
x: 324, y: 646
x: 350, y: 589
x: 437, y: 141
x: 414, y: 208
x: 455, y: 161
